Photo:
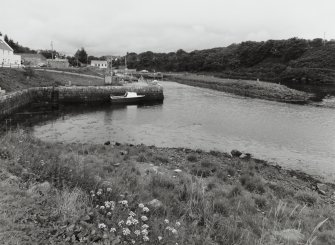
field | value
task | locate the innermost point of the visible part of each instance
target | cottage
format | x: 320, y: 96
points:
x: 7, y: 56
x: 99, y: 63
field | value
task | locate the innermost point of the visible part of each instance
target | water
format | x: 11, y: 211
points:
x: 294, y: 136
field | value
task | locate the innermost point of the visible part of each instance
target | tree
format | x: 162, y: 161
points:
x: 81, y: 55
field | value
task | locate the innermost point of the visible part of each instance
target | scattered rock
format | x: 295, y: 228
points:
x: 40, y: 189
x: 117, y: 143
x: 131, y: 145
x: 124, y: 153
x: 155, y: 203
x: 290, y: 235
x: 236, y: 153
x: 245, y: 156
x: 107, y: 143
x: 177, y: 170
x: 117, y: 164
x: 322, y: 188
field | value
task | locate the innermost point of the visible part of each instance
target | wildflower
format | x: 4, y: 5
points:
x: 126, y: 231
x: 144, y: 218
x: 102, y: 207
x: 137, y: 232
x: 135, y: 221
x: 145, y: 232
x: 166, y: 221
x: 128, y: 222
x: 145, y: 209
x: 121, y: 223
x: 133, y: 241
x: 97, y: 206
x: 101, y: 226
x: 124, y: 202
x: 93, y: 195
x: 159, y: 238
x: 168, y: 228
x: 109, y: 214
x: 145, y: 238
x: 174, y: 231
x: 132, y: 213
x: 141, y: 205
x: 145, y: 226
x: 109, y: 189
x: 92, y: 192
x: 178, y: 224
x: 112, y: 229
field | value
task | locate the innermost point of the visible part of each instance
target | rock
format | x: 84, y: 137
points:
x: 245, y: 156
x: 117, y: 164
x: 177, y: 170
x: 155, y: 203
x: 236, y: 153
x: 124, y: 153
x: 322, y: 188
x: 117, y: 143
x: 289, y: 235
x: 40, y: 189
x: 107, y: 143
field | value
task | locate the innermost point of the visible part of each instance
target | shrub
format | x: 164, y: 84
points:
x: 252, y: 183
x: 310, y: 198
x: 141, y: 158
x: 192, y: 158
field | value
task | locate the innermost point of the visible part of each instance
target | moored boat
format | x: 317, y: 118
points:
x: 128, y: 97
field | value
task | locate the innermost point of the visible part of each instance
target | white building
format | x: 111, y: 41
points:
x: 7, y: 57
x: 99, y: 63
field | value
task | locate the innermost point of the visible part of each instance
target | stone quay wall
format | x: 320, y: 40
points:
x: 11, y: 102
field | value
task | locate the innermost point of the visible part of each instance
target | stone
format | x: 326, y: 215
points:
x: 177, y: 170
x: 117, y: 164
x: 107, y: 143
x: 117, y: 143
x: 322, y: 188
x: 290, y: 235
x: 40, y: 189
x: 124, y: 153
x: 155, y: 203
x: 236, y: 153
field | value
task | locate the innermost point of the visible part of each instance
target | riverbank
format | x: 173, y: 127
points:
x: 247, y: 88
x: 56, y: 193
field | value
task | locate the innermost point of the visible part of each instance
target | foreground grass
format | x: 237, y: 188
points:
x: 247, y: 88
x: 99, y: 194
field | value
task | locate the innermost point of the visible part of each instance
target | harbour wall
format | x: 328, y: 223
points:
x: 11, y: 102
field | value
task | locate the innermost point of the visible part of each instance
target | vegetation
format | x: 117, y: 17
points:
x: 16, y: 46
x: 107, y: 194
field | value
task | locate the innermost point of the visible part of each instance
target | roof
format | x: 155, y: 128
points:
x: 99, y: 61
x: 5, y: 46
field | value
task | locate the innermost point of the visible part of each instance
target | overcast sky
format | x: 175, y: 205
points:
x: 120, y: 26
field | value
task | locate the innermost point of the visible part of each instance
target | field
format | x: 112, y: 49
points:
x: 54, y: 193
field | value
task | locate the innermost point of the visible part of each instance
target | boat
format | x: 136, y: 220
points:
x: 128, y: 97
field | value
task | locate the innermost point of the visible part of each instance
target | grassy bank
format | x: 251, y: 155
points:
x: 119, y: 194
x: 17, y: 79
x: 247, y: 88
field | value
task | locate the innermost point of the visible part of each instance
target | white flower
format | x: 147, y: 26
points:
x: 145, y: 226
x: 109, y: 214
x: 166, y: 221
x: 160, y: 238
x: 144, y: 218
x: 112, y: 230
x: 101, y: 226
x: 128, y: 222
x: 168, y: 228
x: 137, y: 232
x: 126, y: 231
x: 145, y: 209
x: 145, y: 238
x: 124, y: 202
x: 109, y: 189
x: 174, y: 231
x: 133, y: 241
x: 144, y: 232
x: 102, y: 207
x: 141, y: 205
x: 93, y: 195
x: 120, y: 223
x: 178, y: 224
x: 132, y: 213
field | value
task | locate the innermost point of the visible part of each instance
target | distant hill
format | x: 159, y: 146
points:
x: 293, y: 60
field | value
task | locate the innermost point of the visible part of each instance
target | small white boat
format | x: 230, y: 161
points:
x: 128, y: 97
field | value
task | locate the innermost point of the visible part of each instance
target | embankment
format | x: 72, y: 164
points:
x: 247, y: 88
x: 11, y: 102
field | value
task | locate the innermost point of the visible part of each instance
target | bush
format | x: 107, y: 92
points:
x: 252, y: 183
x: 141, y: 158
x: 309, y: 198
x: 192, y: 158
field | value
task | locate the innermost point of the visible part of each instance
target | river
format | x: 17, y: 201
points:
x: 294, y: 136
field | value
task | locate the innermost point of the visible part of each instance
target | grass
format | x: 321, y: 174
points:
x: 238, y: 202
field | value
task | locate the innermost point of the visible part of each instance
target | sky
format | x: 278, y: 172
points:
x: 115, y: 27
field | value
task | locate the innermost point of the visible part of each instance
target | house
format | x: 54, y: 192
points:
x: 58, y: 63
x: 7, y: 56
x: 35, y: 60
x: 99, y: 63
